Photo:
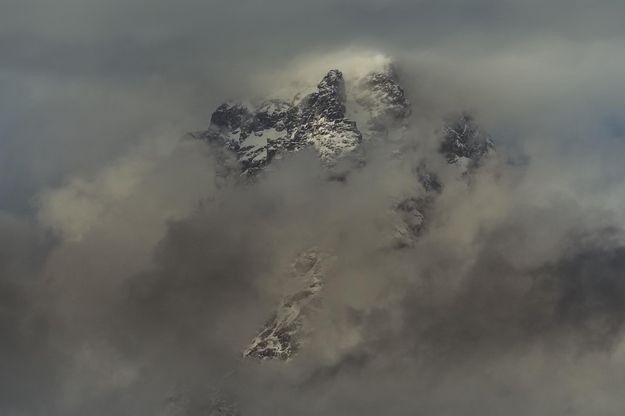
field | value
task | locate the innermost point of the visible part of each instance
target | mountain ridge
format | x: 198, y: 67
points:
x: 335, y: 126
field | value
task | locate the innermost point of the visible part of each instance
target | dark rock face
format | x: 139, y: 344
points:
x: 429, y: 180
x: 231, y: 117
x: 329, y: 100
x: 463, y: 139
x: 382, y: 96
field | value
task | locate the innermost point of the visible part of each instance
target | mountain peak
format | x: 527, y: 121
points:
x: 258, y: 135
x: 333, y: 120
x: 333, y: 78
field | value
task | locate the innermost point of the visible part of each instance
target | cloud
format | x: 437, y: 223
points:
x: 132, y: 276
x: 158, y: 181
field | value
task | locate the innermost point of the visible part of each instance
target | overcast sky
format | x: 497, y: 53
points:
x: 117, y: 289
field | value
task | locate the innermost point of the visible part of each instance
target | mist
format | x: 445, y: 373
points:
x: 135, y: 266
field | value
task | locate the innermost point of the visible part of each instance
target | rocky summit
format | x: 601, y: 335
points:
x: 319, y: 120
